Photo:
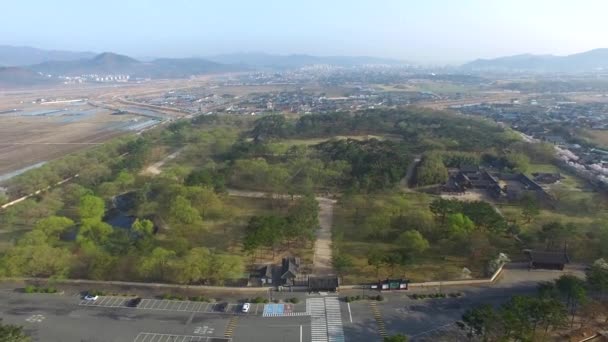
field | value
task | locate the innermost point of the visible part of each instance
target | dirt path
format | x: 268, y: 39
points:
x: 155, y: 169
x: 407, y: 180
x: 322, y: 260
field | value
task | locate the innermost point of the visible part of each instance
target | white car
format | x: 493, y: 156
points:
x: 246, y: 307
x: 91, y: 297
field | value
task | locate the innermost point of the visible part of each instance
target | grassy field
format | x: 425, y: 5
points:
x: 599, y: 137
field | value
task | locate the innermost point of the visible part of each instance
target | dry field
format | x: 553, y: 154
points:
x: 41, y: 132
x: 28, y: 140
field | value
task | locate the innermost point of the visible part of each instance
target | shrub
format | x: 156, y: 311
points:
x: 36, y: 289
x: 379, y: 298
x: 96, y: 293
x: 170, y: 296
x: 199, y: 299
x: 259, y: 300
x: 294, y: 300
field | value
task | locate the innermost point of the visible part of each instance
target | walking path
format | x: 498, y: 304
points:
x: 322, y: 259
x: 155, y: 169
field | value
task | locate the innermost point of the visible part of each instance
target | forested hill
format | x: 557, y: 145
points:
x: 422, y: 129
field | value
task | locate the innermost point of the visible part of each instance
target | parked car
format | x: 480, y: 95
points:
x: 246, y: 307
x: 221, y: 307
x: 91, y: 297
x: 133, y: 303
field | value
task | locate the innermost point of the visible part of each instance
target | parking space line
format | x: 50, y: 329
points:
x: 101, y: 300
x: 117, y: 302
x: 154, y: 337
x: 181, y: 304
x: 175, y: 305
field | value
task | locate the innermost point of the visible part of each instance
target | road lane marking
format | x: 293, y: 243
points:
x: 350, y: 315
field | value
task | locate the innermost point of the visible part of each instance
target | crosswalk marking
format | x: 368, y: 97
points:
x: 335, y: 332
x: 318, y: 321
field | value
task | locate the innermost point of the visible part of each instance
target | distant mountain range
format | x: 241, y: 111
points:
x: 110, y: 63
x: 269, y: 61
x: 23, y: 55
x: 593, y: 60
x: 17, y: 76
x: 30, y: 66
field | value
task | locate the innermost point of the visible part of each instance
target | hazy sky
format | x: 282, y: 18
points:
x: 429, y: 30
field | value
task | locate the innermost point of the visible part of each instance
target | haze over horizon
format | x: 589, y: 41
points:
x: 431, y: 32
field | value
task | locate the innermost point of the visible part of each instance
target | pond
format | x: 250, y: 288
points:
x: 119, y: 215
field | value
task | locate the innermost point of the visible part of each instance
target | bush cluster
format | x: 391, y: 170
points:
x: 38, y: 289
x: 349, y: 299
x: 435, y: 295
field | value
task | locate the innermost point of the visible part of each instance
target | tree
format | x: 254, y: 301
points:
x: 144, y: 228
x: 193, y: 267
x: 342, y: 263
x: 264, y: 231
x: 12, y: 333
x: 224, y: 267
x: 597, y: 277
x: 573, y: 289
x: 479, y: 321
x: 517, y: 162
x: 431, y: 170
x: 94, y: 232
x: 54, y: 226
x: 91, y: 208
x: 530, y: 207
x: 396, y: 338
x: 156, y: 265
x: 485, y: 216
x: 556, y: 234
x: 392, y: 260
x: 412, y: 243
x: 441, y: 208
x: 460, y: 224
x: 124, y: 180
x: 375, y: 258
x: 40, y: 260
x: 182, y: 212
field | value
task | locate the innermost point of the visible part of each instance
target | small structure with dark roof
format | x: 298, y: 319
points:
x: 550, y: 260
x: 266, y: 274
x: 323, y: 284
x: 289, y: 270
x: 546, y: 177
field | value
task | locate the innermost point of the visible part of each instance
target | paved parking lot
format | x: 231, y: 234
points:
x: 107, y: 301
x: 153, y: 337
x: 172, y: 305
